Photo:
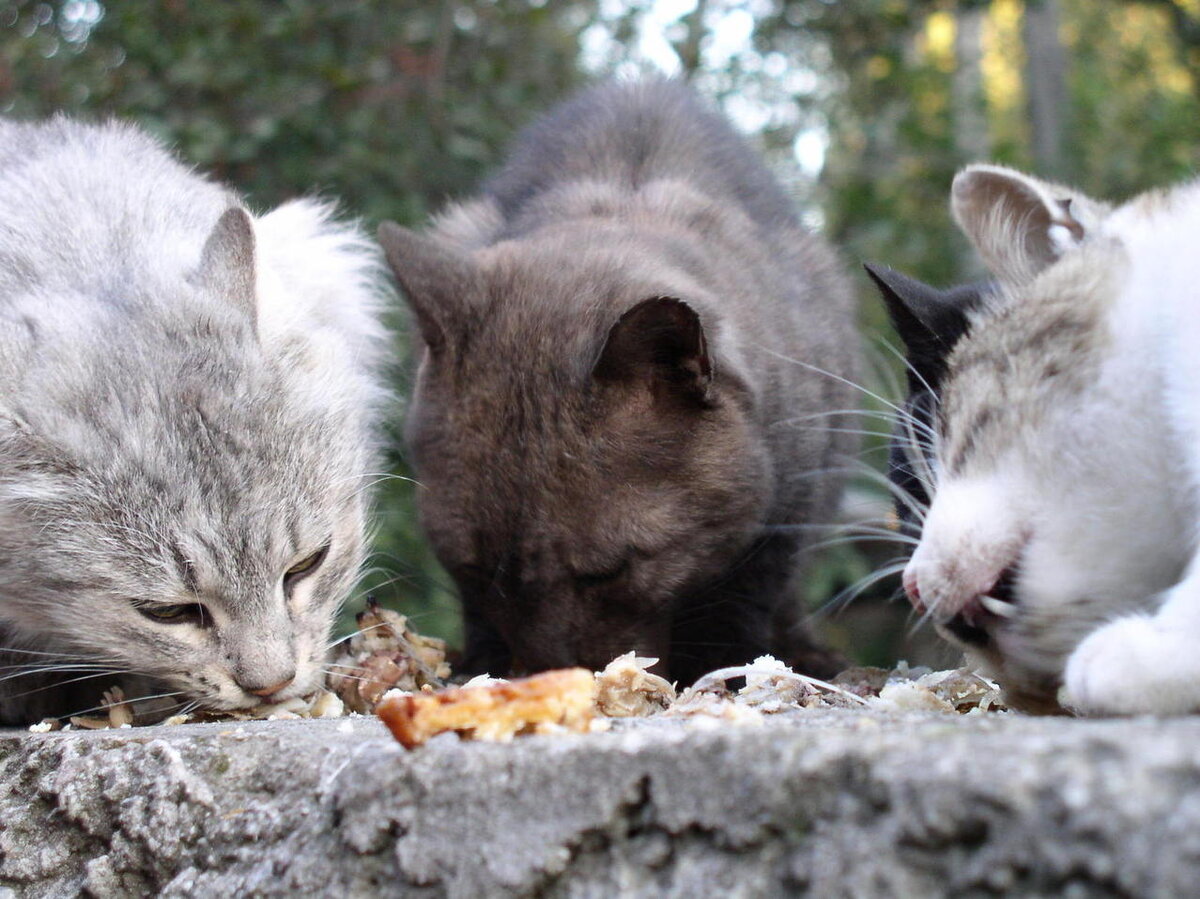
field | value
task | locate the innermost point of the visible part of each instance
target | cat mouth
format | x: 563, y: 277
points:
x: 974, y: 622
x: 1001, y: 600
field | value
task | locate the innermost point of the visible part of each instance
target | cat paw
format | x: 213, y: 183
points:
x: 1132, y: 666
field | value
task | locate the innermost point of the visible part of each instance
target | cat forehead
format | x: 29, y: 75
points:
x: 158, y: 536
x: 1034, y: 349
x: 589, y: 262
x: 519, y: 449
x: 191, y: 454
x: 543, y: 513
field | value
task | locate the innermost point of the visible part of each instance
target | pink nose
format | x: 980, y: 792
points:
x: 272, y: 690
x: 910, y: 587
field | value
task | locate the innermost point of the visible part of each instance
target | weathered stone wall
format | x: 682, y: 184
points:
x: 832, y: 803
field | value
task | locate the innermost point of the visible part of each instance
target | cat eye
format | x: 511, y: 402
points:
x: 182, y: 613
x: 305, y: 566
x: 601, y: 578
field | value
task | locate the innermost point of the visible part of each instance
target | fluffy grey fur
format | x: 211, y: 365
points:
x: 186, y: 403
x: 621, y: 423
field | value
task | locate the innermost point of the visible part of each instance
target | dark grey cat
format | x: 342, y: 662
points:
x: 630, y: 347
x: 186, y: 402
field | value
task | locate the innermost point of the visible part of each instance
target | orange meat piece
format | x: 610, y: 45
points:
x: 564, y: 698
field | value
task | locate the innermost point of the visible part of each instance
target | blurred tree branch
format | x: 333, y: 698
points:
x: 691, y: 47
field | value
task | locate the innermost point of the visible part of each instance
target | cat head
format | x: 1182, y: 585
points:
x: 182, y: 468
x: 1052, y: 505
x: 583, y: 446
x: 929, y: 322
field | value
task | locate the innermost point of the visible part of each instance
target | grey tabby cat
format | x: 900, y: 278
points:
x: 186, y: 407
x: 620, y: 421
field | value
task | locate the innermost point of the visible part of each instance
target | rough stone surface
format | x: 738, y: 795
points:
x: 830, y: 803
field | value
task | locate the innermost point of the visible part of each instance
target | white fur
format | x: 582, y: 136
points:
x: 970, y: 536
x: 1151, y: 663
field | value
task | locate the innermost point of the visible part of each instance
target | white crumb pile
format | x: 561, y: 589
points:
x: 627, y: 689
x: 921, y: 689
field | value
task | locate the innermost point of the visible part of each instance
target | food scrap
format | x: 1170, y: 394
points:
x: 627, y: 689
x: 385, y: 654
x: 117, y: 712
x: 771, y: 686
x: 905, y: 689
x: 962, y: 690
x: 544, y: 703
x: 321, y: 704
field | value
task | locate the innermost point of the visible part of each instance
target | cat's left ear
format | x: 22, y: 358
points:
x: 924, y: 315
x: 227, y: 262
x: 928, y: 320
x: 661, y: 342
x: 1019, y: 224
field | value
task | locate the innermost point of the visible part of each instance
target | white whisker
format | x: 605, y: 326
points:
x: 841, y: 380
x: 846, y: 596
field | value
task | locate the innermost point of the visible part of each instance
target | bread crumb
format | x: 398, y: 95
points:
x: 627, y: 689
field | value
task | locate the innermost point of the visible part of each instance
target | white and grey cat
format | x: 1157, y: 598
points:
x: 1066, y: 517
x: 187, y: 395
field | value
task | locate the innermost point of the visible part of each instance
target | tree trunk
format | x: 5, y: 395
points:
x: 966, y: 90
x: 1046, y: 85
x: 689, y: 48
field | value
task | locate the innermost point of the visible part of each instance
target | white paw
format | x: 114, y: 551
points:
x: 1132, y: 666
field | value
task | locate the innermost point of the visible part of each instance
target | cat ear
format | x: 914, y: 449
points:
x: 921, y: 313
x: 227, y: 261
x: 929, y: 321
x: 1019, y: 224
x: 661, y: 341
x: 434, y: 277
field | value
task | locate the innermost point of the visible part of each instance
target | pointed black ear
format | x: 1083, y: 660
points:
x: 660, y: 341
x: 227, y: 261
x: 922, y: 314
x: 929, y: 321
x: 437, y: 280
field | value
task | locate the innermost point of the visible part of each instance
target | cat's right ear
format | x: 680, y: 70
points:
x: 1018, y: 223
x: 227, y: 262
x: 659, y: 342
x: 436, y: 279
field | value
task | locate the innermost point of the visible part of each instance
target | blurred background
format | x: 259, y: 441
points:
x: 864, y: 109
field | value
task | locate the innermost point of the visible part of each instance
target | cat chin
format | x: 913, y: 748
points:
x: 231, y: 697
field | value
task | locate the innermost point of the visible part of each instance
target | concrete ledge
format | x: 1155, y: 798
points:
x: 833, y: 803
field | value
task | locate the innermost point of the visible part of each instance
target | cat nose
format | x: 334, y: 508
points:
x: 914, y: 592
x: 271, y: 690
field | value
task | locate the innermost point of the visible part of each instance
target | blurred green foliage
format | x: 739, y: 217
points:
x: 395, y: 106
x: 390, y: 106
